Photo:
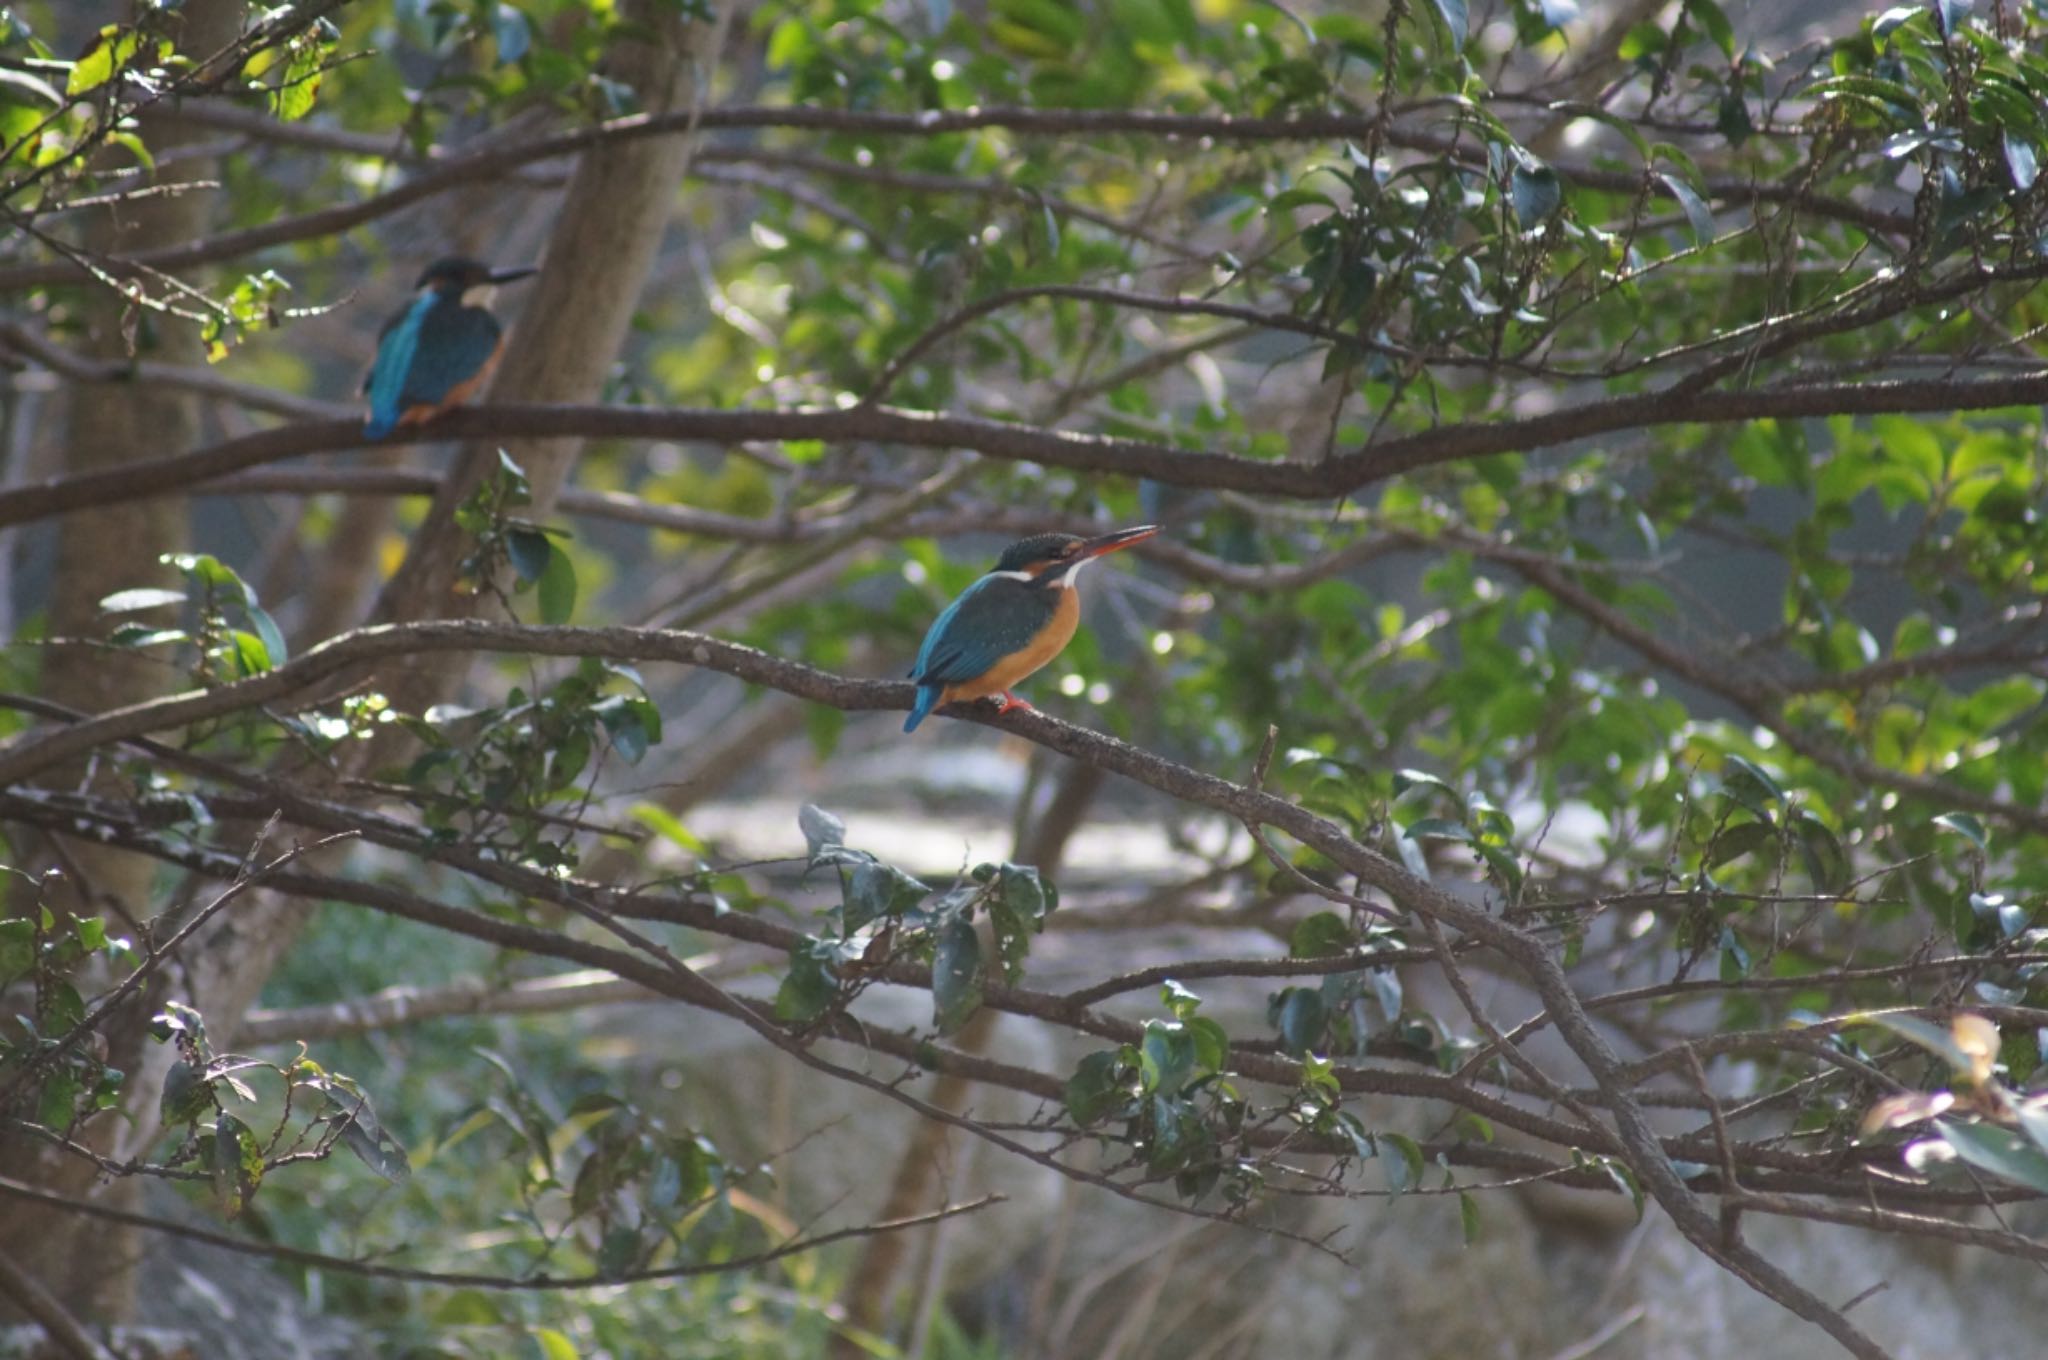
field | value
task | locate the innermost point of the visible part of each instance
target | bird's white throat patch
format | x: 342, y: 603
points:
x: 480, y: 295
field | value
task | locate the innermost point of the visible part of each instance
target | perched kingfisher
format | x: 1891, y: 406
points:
x: 1010, y: 622
x: 437, y: 352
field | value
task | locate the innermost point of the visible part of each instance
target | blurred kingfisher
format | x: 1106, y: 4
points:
x: 439, y: 351
x: 1010, y: 622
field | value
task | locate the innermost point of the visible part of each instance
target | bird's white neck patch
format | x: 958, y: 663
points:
x: 1066, y: 578
x: 1023, y: 576
x: 480, y: 295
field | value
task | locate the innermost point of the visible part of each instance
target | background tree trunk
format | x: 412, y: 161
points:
x: 84, y: 1266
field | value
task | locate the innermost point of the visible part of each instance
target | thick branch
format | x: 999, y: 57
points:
x: 1330, y: 479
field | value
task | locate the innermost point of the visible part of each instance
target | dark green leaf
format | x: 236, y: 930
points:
x: 529, y: 551
x: 1697, y: 214
x: 1301, y: 1020
x: 186, y: 1095
x: 1967, y: 826
x: 17, y: 948
x: 810, y: 986
x: 1934, y: 1038
x: 2002, y: 1152
x: 1404, y: 1172
x: 557, y: 586
x: 361, y: 1134
x: 273, y: 637
x: 956, y: 976
x: 1321, y: 936
x: 1454, y: 18
x: 872, y: 890
x: 236, y: 1163
x: 1736, y: 841
x: 1166, y: 1058
x: 1535, y: 191
x: 1093, y: 1091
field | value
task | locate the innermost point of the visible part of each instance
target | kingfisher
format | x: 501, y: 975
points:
x: 1010, y: 622
x: 440, y: 350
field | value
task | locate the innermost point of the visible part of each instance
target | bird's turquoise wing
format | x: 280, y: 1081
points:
x: 395, y: 349
x: 992, y: 618
x: 455, y: 342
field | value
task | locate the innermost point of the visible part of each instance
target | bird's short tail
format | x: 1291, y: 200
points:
x: 379, y: 423
x: 927, y: 700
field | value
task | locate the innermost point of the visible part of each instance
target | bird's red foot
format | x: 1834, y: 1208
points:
x: 1008, y: 702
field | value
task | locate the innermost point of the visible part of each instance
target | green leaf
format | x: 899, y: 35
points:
x: 1407, y: 779
x: 1827, y: 864
x: 1094, y: 1090
x: 1454, y: 18
x: 300, y: 85
x: 1300, y: 1017
x: 1166, y: 1058
x: 1967, y: 826
x: 362, y: 1135
x: 956, y: 976
x: 2002, y: 1152
x: 529, y: 551
x: 17, y: 948
x: 1697, y: 214
x: 1745, y: 779
x: 1468, y: 1217
x: 236, y: 1162
x: 1404, y: 1172
x: 251, y: 656
x: 1179, y: 1000
x: 1437, y: 828
x: 108, y: 52
x: 554, y: 1344
x: 1535, y: 191
x: 1737, y: 841
x: 1321, y: 936
x: 811, y: 984
x: 267, y: 629
x: 1735, y: 962
x: 1936, y: 1039
x: 871, y: 890
x: 144, y: 597
x: 1715, y: 22
x: 1211, y: 1043
x: 557, y: 587
x: 2021, y: 161
x: 513, y: 35
x: 59, y: 1101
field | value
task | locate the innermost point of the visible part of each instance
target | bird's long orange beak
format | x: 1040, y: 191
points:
x: 523, y: 271
x: 1122, y: 538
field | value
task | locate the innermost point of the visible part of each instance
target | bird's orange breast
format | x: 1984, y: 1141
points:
x: 1050, y: 642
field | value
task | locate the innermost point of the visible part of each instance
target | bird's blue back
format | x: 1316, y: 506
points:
x: 427, y: 351
x: 993, y: 618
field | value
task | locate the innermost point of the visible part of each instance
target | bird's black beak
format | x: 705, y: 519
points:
x: 514, y: 275
x: 1122, y: 538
